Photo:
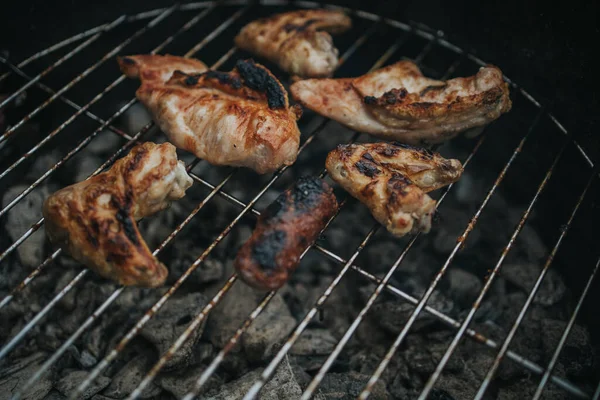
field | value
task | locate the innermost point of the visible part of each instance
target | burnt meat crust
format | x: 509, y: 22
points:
x: 284, y: 230
x: 240, y: 118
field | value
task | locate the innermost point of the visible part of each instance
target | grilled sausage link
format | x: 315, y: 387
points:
x: 285, y: 229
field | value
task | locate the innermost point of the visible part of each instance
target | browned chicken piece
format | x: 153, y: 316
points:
x: 398, y: 103
x: 158, y: 68
x: 240, y: 118
x: 95, y: 220
x: 290, y: 225
x: 393, y: 181
x: 299, y: 42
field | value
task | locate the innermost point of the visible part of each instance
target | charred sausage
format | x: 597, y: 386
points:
x: 288, y: 226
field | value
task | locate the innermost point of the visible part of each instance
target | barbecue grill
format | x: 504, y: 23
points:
x: 71, y: 96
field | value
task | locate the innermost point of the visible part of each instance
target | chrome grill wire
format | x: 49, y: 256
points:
x: 110, y: 55
x: 183, y: 337
x: 161, y: 14
x: 536, y: 286
x: 438, y: 277
x: 132, y: 140
x: 216, y: 299
x: 77, y: 278
x: 270, y: 369
x: 84, y: 143
x: 71, y: 284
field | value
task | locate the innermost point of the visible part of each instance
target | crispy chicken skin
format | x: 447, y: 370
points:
x: 299, y: 42
x: 240, y: 118
x: 398, y: 103
x: 284, y: 230
x: 393, y: 181
x: 95, y: 220
x: 158, y: 68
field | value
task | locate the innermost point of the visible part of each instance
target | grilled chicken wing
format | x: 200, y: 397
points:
x: 285, y: 229
x: 398, y: 103
x: 95, y: 220
x: 298, y: 42
x: 240, y: 118
x: 393, y: 181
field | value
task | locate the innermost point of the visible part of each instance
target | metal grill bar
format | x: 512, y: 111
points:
x: 449, y: 321
x: 452, y: 323
x: 88, y: 71
x: 145, y: 129
x: 359, y: 42
x: 565, y: 334
x: 132, y: 18
x: 67, y: 288
x: 577, y: 145
x: 529, y: 300
x: 597, y: 393
x: 419, y: 59
x: 427, y: 33
x: 526, y: 94
x: 156, y: 307
x: 270, y: 369
x: 212, y: 367
x: 19, y: 336
x: 223, y: 290
x: 61, y: 60
x: 347, y: 264
x: 68, y: 102
x: 425, y: 297
x: 230, y: 344
x: 115, y: 294
x: 80, y: 110
x: 74, y: 151
x: 183, y: 337
x: 99, y: 28
x: 60, y: 351
x: 54, y: 255
x: 86, y: 141
x: 63, y: 292
x: 431, y: 382
x: 28, y: 279
x: 471, y: 155
x: 38, y: 224
x: 321, y: 374
x: 233, y: 340
x: 57, y: 46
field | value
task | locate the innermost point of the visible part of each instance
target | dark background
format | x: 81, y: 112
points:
x: 549, y: 48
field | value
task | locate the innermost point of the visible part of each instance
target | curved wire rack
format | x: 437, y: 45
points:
x: 428, y: 41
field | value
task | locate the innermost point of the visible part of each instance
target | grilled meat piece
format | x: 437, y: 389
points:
x: 284, y: 230
x: 398, y: 103
x: 95, y: 220
x: 158, y: 68
x: 393, y: 181
x: 299, y: 42
x: 240, y: 118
